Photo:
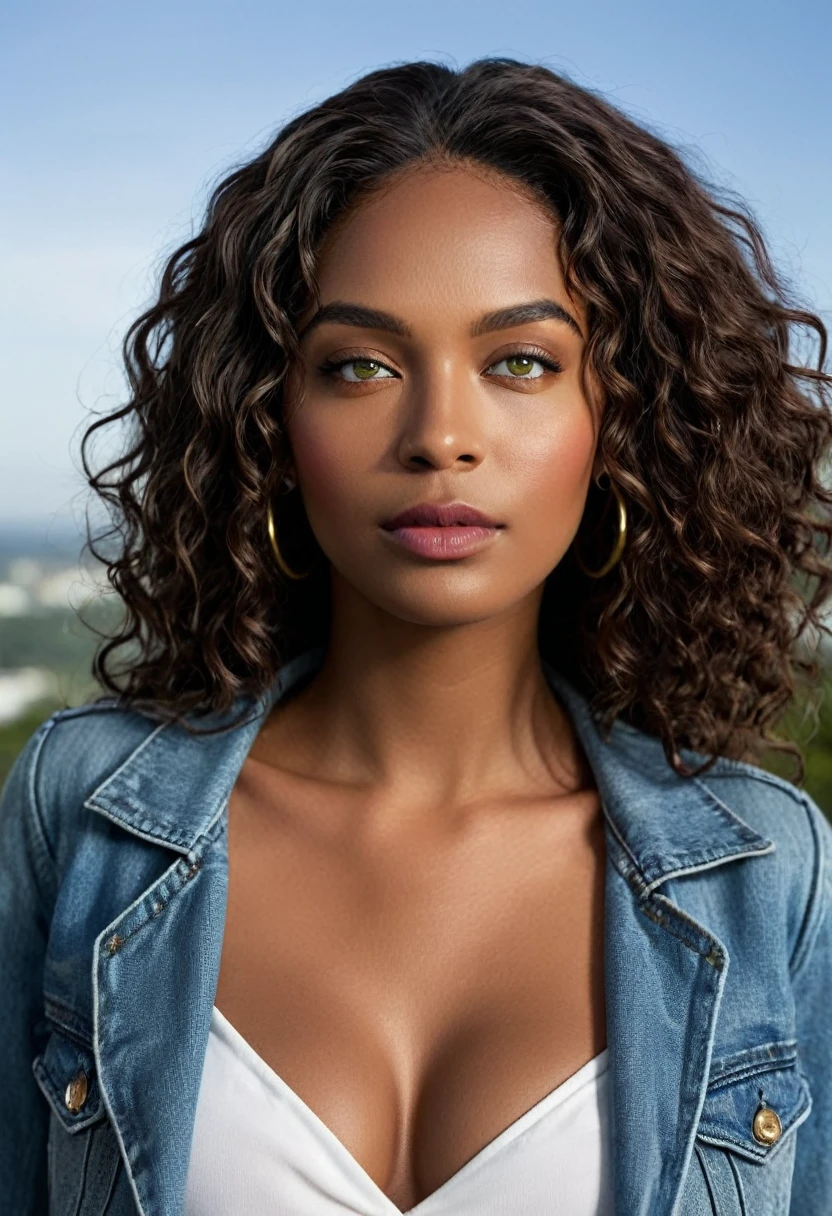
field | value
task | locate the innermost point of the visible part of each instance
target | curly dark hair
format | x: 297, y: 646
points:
x: 713, y: 431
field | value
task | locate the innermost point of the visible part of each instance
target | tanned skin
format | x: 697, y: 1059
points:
x: 414, y: 933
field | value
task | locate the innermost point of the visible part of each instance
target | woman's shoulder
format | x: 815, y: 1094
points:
x: 81, y: 745
x: 773, y: 806
x: 66, y: 759
x: 799, y: 867
x: 158, y: 777
x: 743, y: 849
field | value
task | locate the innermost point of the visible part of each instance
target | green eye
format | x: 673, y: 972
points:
x: 356, y: 370
x: 365, y: 369
x: 520, y: 365
x: 523, y: 366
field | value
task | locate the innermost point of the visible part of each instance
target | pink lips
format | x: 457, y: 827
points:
x: 441, y: 531
x: 441, y: 515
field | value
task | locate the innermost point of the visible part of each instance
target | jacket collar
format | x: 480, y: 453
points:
x: 665, y: 825
x: 662, y: 825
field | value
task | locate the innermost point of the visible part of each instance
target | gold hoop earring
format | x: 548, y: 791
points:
x: 277, y: 554
x: 619, y: 544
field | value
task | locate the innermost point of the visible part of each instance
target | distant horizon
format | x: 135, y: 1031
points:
x: 65, y: 524
x: 50, y: 539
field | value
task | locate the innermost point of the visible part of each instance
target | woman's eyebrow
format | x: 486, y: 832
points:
x: 520, y: 314
x: 344, y: 313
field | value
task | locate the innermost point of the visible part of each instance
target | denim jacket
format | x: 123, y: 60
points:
x: 113, y: 880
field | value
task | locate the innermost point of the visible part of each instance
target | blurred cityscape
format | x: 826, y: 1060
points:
x: 47, y: 593
x: 53, y: 599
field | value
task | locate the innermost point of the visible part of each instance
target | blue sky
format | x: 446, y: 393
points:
x: 120, y: 117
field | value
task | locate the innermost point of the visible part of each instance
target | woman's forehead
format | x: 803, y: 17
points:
x: 452, y: 239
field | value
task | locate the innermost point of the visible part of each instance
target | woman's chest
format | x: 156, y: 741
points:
x: 689, y: 1052
x: 418, y: 991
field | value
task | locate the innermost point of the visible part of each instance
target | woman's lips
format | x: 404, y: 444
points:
x: 443, y: 543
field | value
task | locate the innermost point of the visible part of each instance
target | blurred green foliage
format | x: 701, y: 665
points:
x: 14, y: 734
x: 60, y: 641
x: 808, y: 722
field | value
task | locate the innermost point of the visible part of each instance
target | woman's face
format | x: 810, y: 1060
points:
x: 440, y: 401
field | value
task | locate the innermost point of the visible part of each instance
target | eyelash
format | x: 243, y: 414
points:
x: 329, y: 367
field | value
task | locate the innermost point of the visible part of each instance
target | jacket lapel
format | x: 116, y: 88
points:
x: 664, y: 973
x: 153, y: 997
x: 156, y: 966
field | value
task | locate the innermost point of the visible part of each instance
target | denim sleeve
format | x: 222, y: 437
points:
x: 812, y: 982
x: 27, y: 894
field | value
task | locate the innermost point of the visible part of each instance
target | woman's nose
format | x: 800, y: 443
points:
x: 441, y: 420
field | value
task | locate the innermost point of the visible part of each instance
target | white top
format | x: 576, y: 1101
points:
x: 258, y: 1148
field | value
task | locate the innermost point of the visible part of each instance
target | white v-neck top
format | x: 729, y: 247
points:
x: 259, y: 1150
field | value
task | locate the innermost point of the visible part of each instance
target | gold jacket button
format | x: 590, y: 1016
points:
x: 767, y: 1128
x: 76, y: 1093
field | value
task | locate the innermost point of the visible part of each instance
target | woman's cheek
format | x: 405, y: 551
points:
x: 561, y: 472
x: 330, y: 481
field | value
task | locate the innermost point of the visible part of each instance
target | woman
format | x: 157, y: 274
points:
x: 420, y: 860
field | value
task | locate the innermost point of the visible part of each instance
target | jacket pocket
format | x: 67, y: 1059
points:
x: 83, y: 1155
x: 755, y: 1101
